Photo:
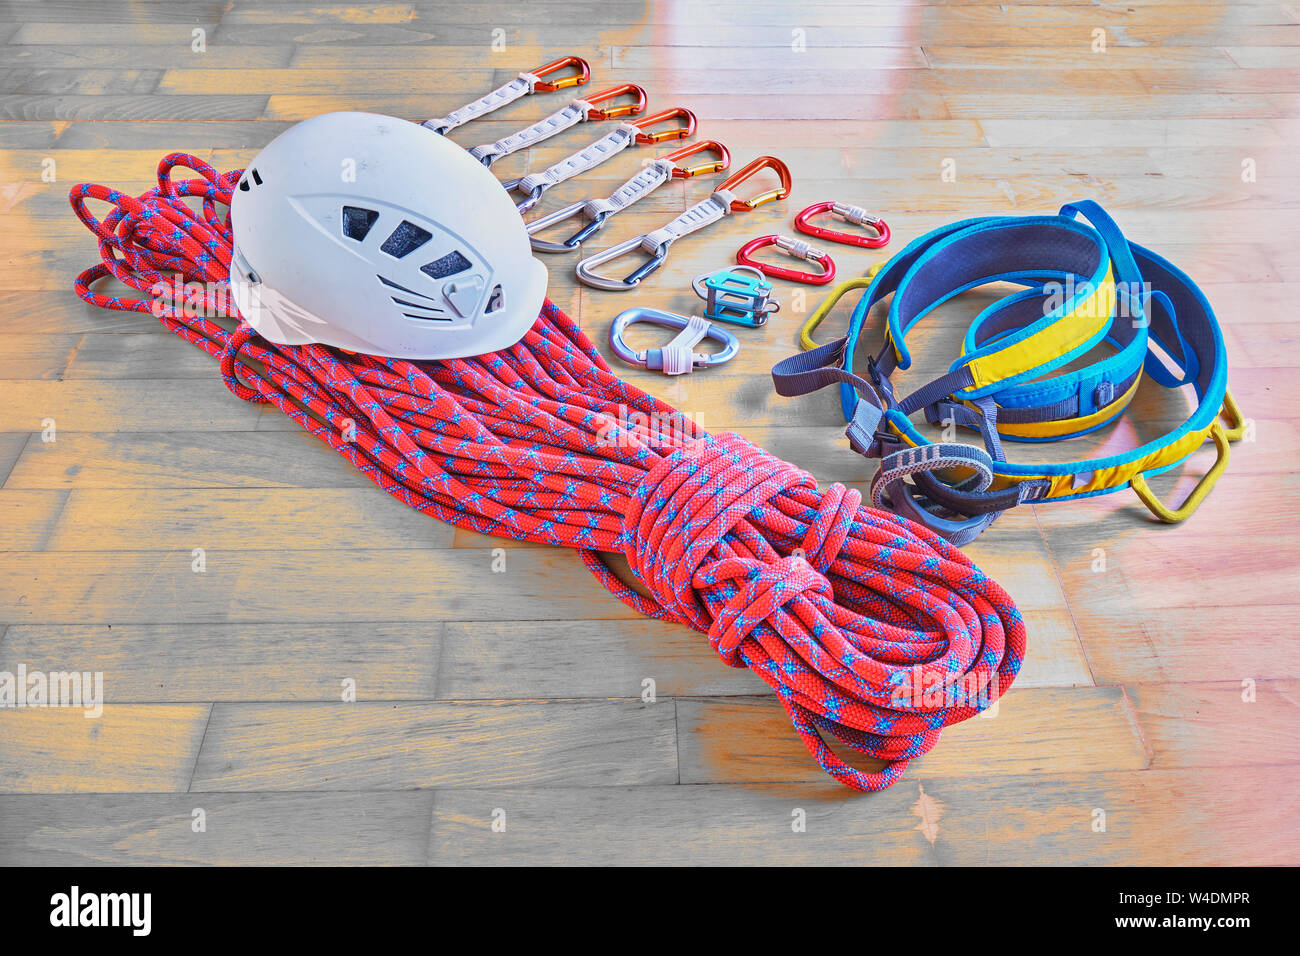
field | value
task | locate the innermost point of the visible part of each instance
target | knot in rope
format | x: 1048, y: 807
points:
x: 688, y: 530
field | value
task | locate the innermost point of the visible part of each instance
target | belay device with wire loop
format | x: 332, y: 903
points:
x: 868, y: 627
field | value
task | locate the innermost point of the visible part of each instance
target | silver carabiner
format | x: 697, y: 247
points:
x: 632, y: 279
x: 659, y: 359
x: 559, y: 216
x: 529, y: 201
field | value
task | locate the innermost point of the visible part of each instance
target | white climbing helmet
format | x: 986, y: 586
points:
x: 379, y: 236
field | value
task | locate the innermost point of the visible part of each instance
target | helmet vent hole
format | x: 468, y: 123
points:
x: 406, y: 238
x: 496, y: 301
x: 256, y: 178
x: 357, y: 221
x: 448, y: 265
x: 243, y: 185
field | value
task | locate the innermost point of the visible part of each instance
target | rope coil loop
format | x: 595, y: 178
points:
x: 871, y: 629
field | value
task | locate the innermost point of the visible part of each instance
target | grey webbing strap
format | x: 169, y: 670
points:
x: 573, y: 114
x: 580, y: 162
x: 654, y: 175
x: 678, y: 356
x: 888, y: 490
x: 702, y: 214
x: 521, y: 85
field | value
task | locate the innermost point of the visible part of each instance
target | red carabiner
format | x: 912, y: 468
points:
x: 763, y: 162
x: 853, y: 214
x: 604, y: 96
x: 577, y: 62
x: 791, y: 247
x: 692, y: 149
x: 680, y: 132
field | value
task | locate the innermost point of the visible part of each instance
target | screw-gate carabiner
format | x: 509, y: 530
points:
x: 763, y: 162
x: 795, y: 248
x: 678, y: 356
x: 679, y: 132
x: 638, y: 187
x: 853, y: 214
x: 718, y: 205
x: 550, y: 86
x: 604, y: 96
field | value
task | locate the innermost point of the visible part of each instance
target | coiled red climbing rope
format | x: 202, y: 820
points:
x: 868, y: 627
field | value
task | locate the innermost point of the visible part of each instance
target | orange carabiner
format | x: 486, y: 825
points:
x: 763, y: 162
x: 692, y: 149
x: 604, y: 96
x: 577, y: 62
x: 680, y: 132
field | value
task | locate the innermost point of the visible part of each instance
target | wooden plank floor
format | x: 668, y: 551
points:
x: 1155, y: 720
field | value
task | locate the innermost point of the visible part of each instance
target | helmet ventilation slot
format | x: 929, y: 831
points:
x: 450, y: 264
x: 406, y: 238
x: 357, y: 221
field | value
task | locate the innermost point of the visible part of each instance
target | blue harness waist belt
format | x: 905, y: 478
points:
x: 1018, y: 376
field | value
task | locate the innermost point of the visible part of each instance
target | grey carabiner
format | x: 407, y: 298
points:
x: 587, y: 276
x: 552, y: 219
x: 666, y: 359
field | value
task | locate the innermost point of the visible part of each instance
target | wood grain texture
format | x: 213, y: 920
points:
x: 1160, y: 683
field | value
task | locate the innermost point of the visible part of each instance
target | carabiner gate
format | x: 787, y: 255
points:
x: 550, y: 86
x: 694, y: 149
x: 751, y: 170
x: 678, y: 132
x: 854, y: 214
x: 604, y: 96
x: 795, y: 248
x: 632, y: 279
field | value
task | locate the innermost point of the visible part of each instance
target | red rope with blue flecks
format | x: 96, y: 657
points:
x: 869, y: 627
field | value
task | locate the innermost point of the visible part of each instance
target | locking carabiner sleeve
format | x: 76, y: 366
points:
x: 795, y: 248
x: 854, y: 214
x: 541, y: 85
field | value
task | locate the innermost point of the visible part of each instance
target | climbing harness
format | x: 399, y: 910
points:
x: 633, y: 132
x: 740, y: 295
x: 532, y: 81
x: 1085, y: 284
x: 582, y: 110
x: 796, y: 249
x: 722, y: 203
x: 651, y: 177
x: 679, y: 355
x: 869, y: 628
x: 824, y: 308
x: 398, y: 268
x: 853, y: 214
